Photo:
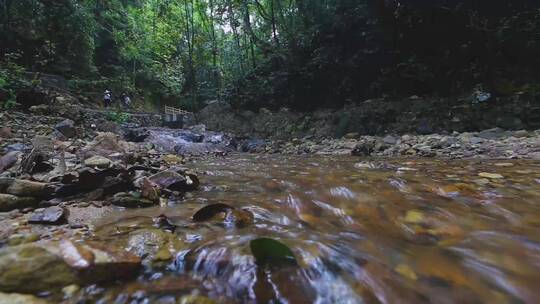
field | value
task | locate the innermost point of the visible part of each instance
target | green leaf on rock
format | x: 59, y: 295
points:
x: 269, y: 252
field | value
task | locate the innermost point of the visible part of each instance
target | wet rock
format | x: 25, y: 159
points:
x: 130, y: 201
x: 49, y: 216
x: 225, y: 214
x: 14, y: 298
x: 151, y: 244
x: 190, y: 137
x: 9, y: 202
x: 27, y: 188
x: 136, y: 135
x: 98, y: 162
x: 173, y: 181
x: 53, y: 265
x: 95, y: 262
x: 66, y: 128
x: 33, y: 269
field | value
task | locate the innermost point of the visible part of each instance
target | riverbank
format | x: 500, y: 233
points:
x: 492, y: 143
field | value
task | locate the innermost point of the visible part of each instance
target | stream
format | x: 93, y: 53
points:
x: 362, y: 231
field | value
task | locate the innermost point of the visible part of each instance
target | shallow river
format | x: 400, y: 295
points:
x: 362, y: 231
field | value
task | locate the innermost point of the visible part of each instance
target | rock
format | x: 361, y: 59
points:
x: 171, y: 159
x: 53, y: 265
x: 9, y: 202
x: 17, y: 148
x: 390, y: 140
x: 109, y: 263
x: 27, y: 188
x: 171, y: 180
x: 252, y: 145
x: 67, y: 128
x: 494, y: 133
x: 365, y: 148
x: 32, y: 269
x: 9, y: 160
x: 108, y: 144
x: 490, y: 175
x: 152, y: 244
x: 18, y: 239
x: 135, y: 135
x: 149, y: 190
x: 129, y: 201
x: 98, y: 162
x: 521, y: 134
x: 14, y: 298
x: 351, y: 135
x: 5, y: 132
x: 51, y: 216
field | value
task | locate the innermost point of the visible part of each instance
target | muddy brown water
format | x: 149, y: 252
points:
x: 362, y: 231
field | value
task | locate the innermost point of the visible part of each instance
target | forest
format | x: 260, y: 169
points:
x: 273, y: 53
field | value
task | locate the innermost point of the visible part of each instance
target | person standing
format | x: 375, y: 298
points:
x: 126, y: 101
x: 107, y: 98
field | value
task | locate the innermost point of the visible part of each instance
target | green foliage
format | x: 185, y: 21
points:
x: 274, y: 53
x: 11, y: 80
x: 118, y: 117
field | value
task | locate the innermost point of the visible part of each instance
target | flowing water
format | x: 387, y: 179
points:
x: 362, y: 231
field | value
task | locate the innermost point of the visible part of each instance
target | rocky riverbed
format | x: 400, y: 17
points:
x: 60, y: 178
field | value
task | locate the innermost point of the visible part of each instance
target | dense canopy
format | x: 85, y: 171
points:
x: 272, y: 53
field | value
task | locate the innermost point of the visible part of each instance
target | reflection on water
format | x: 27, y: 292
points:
x: 363, y: 231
